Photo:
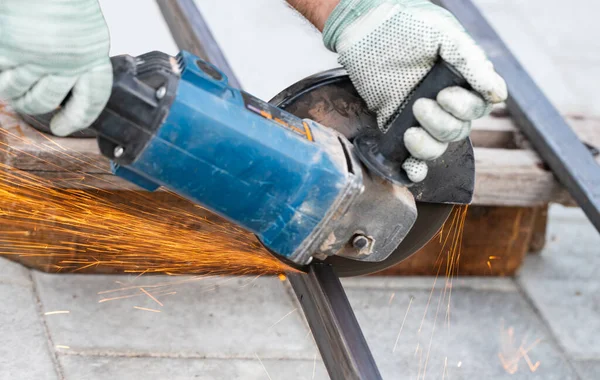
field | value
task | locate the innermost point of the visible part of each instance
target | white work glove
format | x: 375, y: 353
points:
x: 388, y: 46
x: 50, y: 48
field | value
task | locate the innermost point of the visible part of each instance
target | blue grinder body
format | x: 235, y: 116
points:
x: 263, y: 169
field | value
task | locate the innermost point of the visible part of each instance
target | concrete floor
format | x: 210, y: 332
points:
x: 245, y: 328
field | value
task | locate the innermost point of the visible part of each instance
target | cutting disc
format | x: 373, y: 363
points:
x: 330, y: 98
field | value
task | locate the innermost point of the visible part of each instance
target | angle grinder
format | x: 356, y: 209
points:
x: 309, y: 173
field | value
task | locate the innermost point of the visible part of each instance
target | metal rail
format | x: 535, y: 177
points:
x: 341, y: 342
x: 191, y: 33
x: 337, y: 333
x: 570, y: 160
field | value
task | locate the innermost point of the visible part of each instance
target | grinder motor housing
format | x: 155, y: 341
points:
x: 295, y: 184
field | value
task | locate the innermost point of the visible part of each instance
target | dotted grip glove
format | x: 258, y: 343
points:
x: 388, y: 46
x: 50, y: 48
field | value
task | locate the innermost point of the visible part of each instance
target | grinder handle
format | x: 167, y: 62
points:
x: 384, y: 153
x: 442, y: 75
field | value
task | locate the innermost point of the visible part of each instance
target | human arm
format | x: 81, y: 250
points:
x: 315, y: 11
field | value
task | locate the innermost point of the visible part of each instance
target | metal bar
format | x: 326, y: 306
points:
x: 557, y: 144
x: 191, y: 33
x: 337, y: 333
x: 333, y: 324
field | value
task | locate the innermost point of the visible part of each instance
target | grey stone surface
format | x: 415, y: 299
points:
x: 467, y: 347
x: 588, y: 370
x: 24, y: 350
x: 572, y: 309
x: 563, y: 282
x: 99, y: 368
x: 562, y: 55
x: 217, y: 317
x: 567, y: 29
x: 522, y: 38
x: 427, y: 283
x: 13, y: 273
x: 571, y: 250
x: 579, y: 73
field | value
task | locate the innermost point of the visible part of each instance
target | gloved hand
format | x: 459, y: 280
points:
x: 49, y: 48
x: 388, y: 46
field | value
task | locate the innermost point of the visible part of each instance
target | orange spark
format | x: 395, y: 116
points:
x: 151, y: 296
x: 57, y: 312
x: 402, y: 325
x: 282, y: 318
x: 511, y: 355
x: 263, y: 366
x: 146, y: 309
x: 65, y: 225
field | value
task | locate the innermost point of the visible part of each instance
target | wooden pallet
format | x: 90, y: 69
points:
x: 513, y: 189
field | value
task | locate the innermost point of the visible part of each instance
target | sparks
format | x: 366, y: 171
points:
x: 282, y: 318
x: 391, y: 298
x: 402, y: 326
x: 263, y: 366
x: 57, y: 312
x: 146, y: 309
x: 151, y: 296
x: 63, y: 225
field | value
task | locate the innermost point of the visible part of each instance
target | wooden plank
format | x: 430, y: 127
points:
x: 540, y: 230
x: 498, y: 130
x: 22, y: 147
x: 514, y: 178
x: 494, y: 243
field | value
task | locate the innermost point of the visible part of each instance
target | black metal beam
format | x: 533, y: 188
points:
x: 191, y: 33
x: 333, y: 324
x: 337, y: 333
x: 554, y: 140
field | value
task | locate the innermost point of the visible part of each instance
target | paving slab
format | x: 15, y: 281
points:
x: 568, y: 29
x: 579, y: 72
x: 563, y: 284
x: 588, y: 370
x: 98, y: 368
x: 572, y: 309
x: 233, y: 317
x: 482, y: 325
x: 24, y: 352
x: 571, y: 251
x: 13, y: 273
x: 428, y: 283
x: 524, y: 41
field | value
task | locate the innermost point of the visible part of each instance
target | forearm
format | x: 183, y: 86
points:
x: 315, y: 11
